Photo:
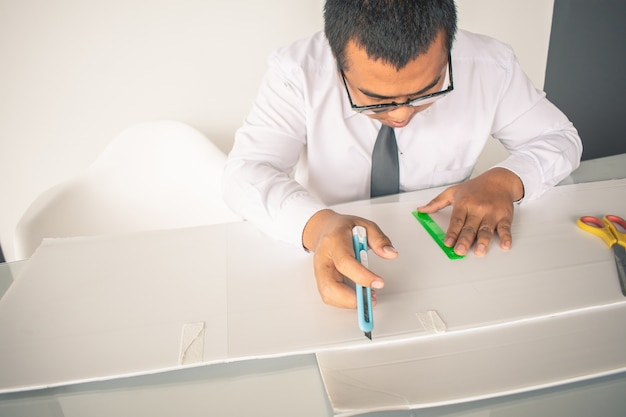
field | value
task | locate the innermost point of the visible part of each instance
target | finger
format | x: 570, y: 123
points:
x: 467, y: 235
x: 330, y: 284
x: 379, y: 243
x: 330, y: 273
x: 444, y: 199
x: 352, y: 269
x: 457, y: 221
x: 335, y: 292
x: 504, y: 232
x: 339, y: 295
x: 483, y: 238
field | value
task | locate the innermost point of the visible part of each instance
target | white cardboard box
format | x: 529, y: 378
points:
x: 103, y: 307
x: 549, y: 311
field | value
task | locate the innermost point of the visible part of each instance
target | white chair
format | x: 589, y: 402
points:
x: 156, y: 175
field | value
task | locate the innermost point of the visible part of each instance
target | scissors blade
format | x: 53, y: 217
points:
x: 620, y: 260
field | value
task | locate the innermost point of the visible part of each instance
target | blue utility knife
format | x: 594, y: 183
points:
x: 363, y: 294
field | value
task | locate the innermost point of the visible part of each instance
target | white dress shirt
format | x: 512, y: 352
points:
x: 302, y: 147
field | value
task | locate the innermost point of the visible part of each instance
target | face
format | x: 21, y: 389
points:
x: 373, y: 82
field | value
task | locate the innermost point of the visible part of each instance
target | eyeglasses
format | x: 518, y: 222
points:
x: 419, y: 101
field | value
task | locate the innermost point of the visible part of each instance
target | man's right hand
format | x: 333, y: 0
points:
x: 329, y: 235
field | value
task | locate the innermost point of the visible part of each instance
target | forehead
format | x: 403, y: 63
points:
x: 384, y: 79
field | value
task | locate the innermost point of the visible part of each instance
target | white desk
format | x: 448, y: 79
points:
x: 290, y: 386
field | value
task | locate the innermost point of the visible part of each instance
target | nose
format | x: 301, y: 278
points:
x: 400, y: 114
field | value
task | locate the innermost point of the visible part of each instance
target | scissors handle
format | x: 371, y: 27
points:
x: 598, y: 227
x: 617, y: 225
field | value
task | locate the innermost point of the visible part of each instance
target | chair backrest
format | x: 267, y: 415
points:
x: 156, y: 175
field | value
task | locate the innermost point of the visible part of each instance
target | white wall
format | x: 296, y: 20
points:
x: 73, y: 73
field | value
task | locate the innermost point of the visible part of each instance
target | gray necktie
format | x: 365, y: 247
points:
x: 385, y: 166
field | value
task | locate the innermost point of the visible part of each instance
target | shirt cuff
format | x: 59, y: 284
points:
x: 295, y: 213
x: 524, y: 168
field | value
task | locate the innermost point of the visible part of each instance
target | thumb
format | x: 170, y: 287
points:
x: 444, y: 199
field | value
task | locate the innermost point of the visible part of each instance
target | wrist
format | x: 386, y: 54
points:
x: 313, y: 228
x: 511, y: 181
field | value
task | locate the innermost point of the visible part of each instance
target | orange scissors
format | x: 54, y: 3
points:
x: 612, y: 229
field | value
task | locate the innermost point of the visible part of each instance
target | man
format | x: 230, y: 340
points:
x: 395, y: 73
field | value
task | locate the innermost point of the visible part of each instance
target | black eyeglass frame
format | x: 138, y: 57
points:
x: 384, y: 107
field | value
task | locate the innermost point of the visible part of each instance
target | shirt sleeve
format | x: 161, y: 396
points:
x: 544, y: 145
x: 257, y: 180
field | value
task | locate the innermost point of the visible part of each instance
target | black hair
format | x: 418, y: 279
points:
x: 395, y: 31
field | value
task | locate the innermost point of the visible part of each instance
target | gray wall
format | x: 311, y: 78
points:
x: 586, y: 71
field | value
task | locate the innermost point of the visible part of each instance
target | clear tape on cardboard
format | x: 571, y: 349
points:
x: 431, y: 321
x: 192, y: 343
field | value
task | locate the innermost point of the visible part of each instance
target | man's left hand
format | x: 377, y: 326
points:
x: 481, y: 207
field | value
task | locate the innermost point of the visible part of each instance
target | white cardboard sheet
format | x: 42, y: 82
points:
x: 461, y: 366
x: 103, y: 307
x: 547, y: 312
x: 93, y: 308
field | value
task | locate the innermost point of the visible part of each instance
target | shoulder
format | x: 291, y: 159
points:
x: 310, y: 54
x: 483, y: 49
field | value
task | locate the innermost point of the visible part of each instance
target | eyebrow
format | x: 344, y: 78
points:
x: 417, y: 93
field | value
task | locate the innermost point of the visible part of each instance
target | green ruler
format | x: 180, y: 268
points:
x: 436, y: 233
